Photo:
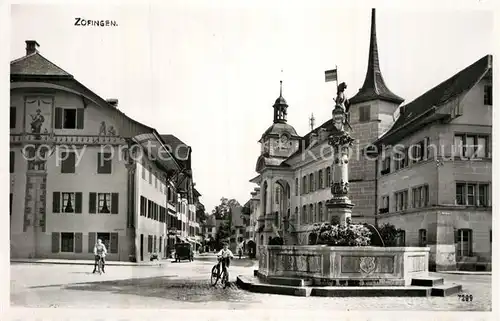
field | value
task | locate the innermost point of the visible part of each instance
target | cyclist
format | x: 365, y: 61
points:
x: 99, y: 254
x: 224, y: 256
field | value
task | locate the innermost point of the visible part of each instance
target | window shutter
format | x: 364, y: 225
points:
x: 71, y: 162
x: 12, y: 161
x: 99, y: 163
x: 79, y: 118
x: 13, y: 117
x: 56, y: 202
x: 92, y: 203
x: 58, y: 118
x: 78, y: 242
x: 114, y: 203
x: 92, y: 240
x: 113, y: 245
x: 78, y: 202
x: 55, y: 242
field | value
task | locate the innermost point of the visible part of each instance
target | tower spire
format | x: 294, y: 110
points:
x: 374, y: 86
x: 311, y: 121
x: 280, y: 106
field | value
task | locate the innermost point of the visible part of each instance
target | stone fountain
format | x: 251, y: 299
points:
x: 343, y: 270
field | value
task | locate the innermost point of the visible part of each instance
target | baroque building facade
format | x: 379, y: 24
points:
x: 416, y: 172
x: 80, y: 169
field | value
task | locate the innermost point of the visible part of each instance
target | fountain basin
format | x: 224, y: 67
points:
x: 324, y: 265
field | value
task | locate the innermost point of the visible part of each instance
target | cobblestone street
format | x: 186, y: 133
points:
x: 186, y: 285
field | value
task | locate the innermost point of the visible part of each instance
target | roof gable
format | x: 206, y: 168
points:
x: 454, y: 86
x: 36, y: 65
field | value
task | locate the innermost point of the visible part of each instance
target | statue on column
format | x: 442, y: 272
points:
x: 341, y: 110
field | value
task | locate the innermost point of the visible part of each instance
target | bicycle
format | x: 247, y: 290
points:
x: 219, y: 274
x: 100, y: 264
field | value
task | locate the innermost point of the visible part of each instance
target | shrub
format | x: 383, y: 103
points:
x: 343, y: 235
x: 390, y: 234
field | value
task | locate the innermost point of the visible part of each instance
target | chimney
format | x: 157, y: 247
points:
x: 113, y: 102
x: 31, y: 46
x: 313, y: 139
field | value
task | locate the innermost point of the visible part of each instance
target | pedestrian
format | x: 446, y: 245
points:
x: 99, y: 254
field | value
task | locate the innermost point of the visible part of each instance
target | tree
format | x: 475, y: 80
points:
x: 223, y: 234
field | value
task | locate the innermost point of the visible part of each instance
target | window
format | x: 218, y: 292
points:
x: 67, y: 242
x: 103, y: 163
x: 320, y: 179
x: 386, y: 166
x: 304, y: 185
x: 68, y: 161
x: 296, y: 187
x: 483, y: 195
x: 328, y: 177
x: 150, y: 175
x: 277, y: 195
x: 104, y: 205
x: 311, y: 183
x: 143, y: 209
x: 401, y: 200
x: 12, y: 161
x: 69, y: 118
x: 428, y: 148
x: 384, y: 205
x: 472, y: 194
x: 12, y: 117
x: 150, y: 244
x: 470, y: 146
x: 422, y: 237
x: 364, y: 113
x: 420, y: 196
x: 320, y: 212
x: 68, y: 200
x: 463, y: 242
x: 417, y: 152
x: 106, y: 239
x: 488, y: 95
x: 311, y: 213
x: 304, y: 215
x: 401, y: 159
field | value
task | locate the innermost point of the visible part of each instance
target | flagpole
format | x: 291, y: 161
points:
x: 337, y: 78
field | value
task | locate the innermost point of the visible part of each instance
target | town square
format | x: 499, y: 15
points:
x: 174, y: 170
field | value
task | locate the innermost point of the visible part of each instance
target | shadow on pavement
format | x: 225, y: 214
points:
x: 167, y: 288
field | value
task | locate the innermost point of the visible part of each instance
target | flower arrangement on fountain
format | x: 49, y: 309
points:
x: 341, y: 234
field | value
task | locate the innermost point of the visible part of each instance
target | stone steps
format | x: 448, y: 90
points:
x: 420, y: 287
x: 427, y: 281
x: 446, y: 290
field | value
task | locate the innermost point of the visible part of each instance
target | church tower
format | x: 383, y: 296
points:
x: 280, y: 140
x: 371, y: 115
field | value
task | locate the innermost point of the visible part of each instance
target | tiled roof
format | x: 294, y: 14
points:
x: 279, y: 129
x: 306, y: 140
x: 374, y: 86
x: 36, y: 65
x: 178, y: 148
x: 442, y: 93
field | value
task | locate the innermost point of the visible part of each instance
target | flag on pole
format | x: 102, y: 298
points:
x: 331, y: 75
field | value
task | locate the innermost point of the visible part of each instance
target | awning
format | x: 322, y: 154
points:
x: 182, y: 239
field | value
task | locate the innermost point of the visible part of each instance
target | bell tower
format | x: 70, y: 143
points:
x: 371, y: 115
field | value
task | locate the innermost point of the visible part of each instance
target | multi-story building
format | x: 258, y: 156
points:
x: 82, y: 170
x: 439, y: 201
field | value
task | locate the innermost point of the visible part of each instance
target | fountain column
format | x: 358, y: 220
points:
x: 340, y: 206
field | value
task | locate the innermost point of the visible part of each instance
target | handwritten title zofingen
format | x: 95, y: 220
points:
x: 95, y: 23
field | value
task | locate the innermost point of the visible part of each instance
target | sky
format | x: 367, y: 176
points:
x: 210, y: 75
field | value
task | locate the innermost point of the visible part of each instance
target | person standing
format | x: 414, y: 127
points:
x: 99, y: 254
